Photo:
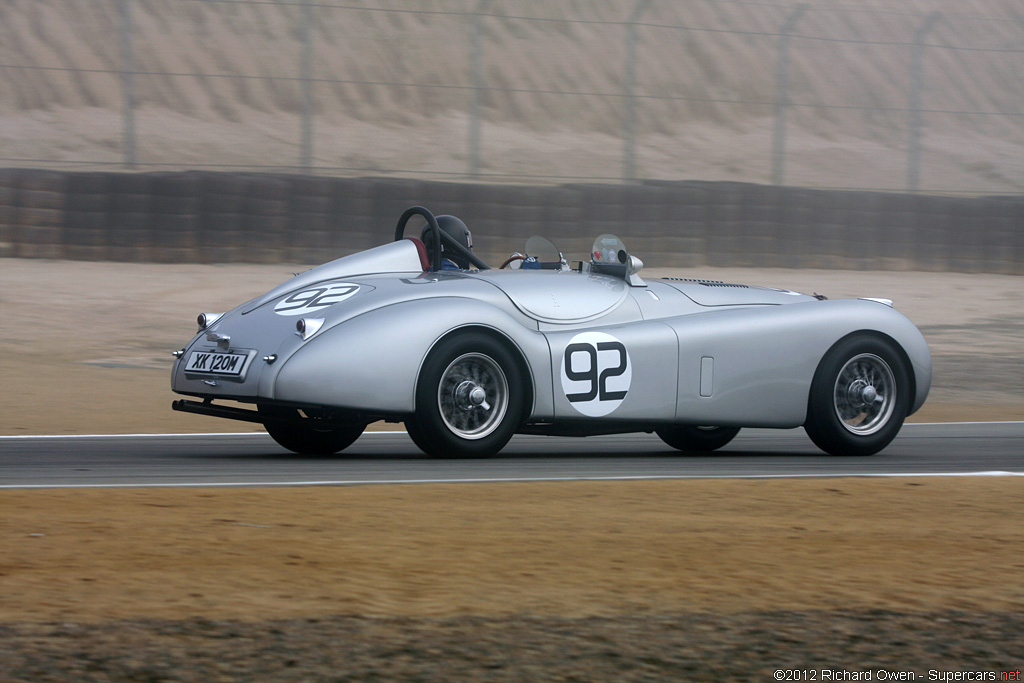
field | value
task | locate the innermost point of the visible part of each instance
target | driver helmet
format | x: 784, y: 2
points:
x: 455, y: 228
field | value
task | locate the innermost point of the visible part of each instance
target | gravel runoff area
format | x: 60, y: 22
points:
x: 710, y: 580
x: 749, y: 646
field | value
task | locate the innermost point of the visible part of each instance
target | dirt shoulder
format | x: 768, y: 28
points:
x: 584, y: 581
x: 583, y: 549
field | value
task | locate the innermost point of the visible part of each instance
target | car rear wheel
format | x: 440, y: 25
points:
x: 307, y: 435
x: 694, y: 439
x: 859, y: 397
x: 469, y: 398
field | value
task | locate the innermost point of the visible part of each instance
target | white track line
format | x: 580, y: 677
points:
x: 396, y: 431
x: 149, y: 436
x: 496, y: 480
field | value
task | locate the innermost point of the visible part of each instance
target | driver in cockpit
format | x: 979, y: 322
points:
x: 450, y: 259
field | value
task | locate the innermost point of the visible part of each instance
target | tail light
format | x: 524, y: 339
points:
x: 307, y: 327
x: 206, y: 319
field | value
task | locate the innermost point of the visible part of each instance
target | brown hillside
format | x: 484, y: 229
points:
x: 219, y: 84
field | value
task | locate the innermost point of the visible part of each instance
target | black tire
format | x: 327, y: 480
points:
x: 694, y: 439
x: 469, y: 398
x: 307, y: 437
x: 421, y: 441
x: 859, y: 396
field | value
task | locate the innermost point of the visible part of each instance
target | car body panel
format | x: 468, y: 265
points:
x: 717, y: 293
x: 555, y: 296
x: 615, y: 372
x: 394, y: 258
x: 338, y: 368
x: 764, y: 358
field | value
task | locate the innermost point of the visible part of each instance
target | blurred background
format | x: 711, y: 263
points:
x: 827, y: 133
x: 920, y: 95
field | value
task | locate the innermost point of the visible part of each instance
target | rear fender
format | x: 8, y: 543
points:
x: 372, y: 362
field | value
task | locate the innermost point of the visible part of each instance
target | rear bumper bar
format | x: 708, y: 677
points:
x: 323, y: 420
x: 207, y: 408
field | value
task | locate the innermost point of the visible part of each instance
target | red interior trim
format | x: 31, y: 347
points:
x: 422, y: 250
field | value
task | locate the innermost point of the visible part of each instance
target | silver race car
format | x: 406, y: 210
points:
x: 421, y: 331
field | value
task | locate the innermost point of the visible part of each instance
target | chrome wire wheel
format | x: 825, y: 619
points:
x: 472, y: 396
x: 865, y: 394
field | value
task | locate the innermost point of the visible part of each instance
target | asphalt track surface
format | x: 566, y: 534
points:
x: 390, y: 457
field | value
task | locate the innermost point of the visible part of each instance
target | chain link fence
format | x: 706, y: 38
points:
x: 924, y: 96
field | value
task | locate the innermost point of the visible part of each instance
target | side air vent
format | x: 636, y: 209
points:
x: 707, y: 283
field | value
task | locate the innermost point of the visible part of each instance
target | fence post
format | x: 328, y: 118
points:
x: 914, y: 102
x: 306, y: 78
x: 782, y: 94
x: 629, y: 78
x: 127, y: 84
x: 476, y: 62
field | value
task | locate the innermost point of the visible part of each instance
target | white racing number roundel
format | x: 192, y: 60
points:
x: 596, y: 373
x: 315, y: 299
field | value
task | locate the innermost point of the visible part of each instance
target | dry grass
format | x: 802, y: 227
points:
x: 545, y: 549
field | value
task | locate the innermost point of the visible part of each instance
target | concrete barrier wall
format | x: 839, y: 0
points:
x: 208, y: 217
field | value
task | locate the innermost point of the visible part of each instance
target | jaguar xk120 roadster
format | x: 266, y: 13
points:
x: 420, y: 330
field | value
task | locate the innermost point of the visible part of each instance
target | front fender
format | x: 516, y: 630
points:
x: 372, y: 362
x: 764, y: 359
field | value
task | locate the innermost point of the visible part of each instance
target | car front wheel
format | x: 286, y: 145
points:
x: 859, y: 397
x: 469, y: 398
